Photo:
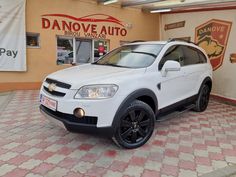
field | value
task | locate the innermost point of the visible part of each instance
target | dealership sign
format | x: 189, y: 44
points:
x: 12, y: 35
x: 86, y: 26
x: 213, y: 37
x: 174, y: 25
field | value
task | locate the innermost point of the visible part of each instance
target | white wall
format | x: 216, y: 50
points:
x: 224, y: 78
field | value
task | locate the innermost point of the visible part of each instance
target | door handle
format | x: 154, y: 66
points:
x: 159, y: 86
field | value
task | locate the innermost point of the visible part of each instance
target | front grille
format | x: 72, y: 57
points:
x: 71, y: 118
x: 58, y: 83
x: 55, y: 93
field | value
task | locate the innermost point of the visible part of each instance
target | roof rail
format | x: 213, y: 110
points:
x: 181, y: 40
x: 137, y: 41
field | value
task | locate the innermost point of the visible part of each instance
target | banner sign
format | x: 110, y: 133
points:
x: 174, y: 25
x: 86, y: 26
x: 12, y: 35
x: 213, y: 37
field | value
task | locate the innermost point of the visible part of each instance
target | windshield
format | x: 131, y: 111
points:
x: 132, y: 56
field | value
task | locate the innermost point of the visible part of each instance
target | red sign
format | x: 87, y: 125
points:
x: 87, y: 25
x: 213, y: 37
x: 233, y: 57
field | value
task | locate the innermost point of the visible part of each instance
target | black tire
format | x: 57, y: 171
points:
x: 203, y: 99
x: 135, y: 126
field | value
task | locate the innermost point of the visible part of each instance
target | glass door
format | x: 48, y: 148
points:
x: 83, y: 50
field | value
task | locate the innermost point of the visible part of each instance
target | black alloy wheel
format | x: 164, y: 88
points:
x: 203, y: 99
x: 136, y: 126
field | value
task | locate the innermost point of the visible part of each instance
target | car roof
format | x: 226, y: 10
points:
x: 148, y: 42
x: 171, y: 41
x: 181, y: 42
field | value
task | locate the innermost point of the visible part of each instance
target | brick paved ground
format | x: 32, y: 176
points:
x: 194, y: 144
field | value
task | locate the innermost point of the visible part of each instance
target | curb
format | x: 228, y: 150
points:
x: 223, y: 172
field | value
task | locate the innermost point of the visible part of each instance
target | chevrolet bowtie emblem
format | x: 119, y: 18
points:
x: 52, y: 87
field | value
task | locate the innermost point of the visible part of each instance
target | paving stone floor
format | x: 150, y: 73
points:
x: 190, y: 145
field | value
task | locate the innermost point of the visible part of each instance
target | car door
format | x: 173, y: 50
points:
x: 194, y: 65
x: 172, y: 86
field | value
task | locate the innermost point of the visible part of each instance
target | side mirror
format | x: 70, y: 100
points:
x: 170, y: 65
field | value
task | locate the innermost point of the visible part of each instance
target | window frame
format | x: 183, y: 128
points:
x: 32, y: 34
x: 74, y: 38
x: 64, y: 37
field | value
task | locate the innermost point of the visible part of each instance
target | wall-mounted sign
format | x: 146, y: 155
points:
x: 175, y: 25
x: 12, y: 35
x: 86, y: 26
x: 233, y: 57
x: 213, y: 37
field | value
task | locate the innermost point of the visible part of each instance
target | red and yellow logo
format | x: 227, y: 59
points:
x: 213, y: 36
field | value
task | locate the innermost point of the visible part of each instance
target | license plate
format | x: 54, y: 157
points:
x: 48, y: 102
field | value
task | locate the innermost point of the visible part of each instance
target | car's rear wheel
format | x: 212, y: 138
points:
x: 136, y: 125
x: 203, y: 98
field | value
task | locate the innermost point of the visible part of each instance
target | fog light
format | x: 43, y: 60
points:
x: 78, y: 112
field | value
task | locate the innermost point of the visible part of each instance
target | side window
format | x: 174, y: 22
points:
x: 190, y: 56
x: 202, y: 57
x: 193, y: 56
x: 174, y: 53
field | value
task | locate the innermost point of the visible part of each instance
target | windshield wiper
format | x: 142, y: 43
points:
x: 146, y: 53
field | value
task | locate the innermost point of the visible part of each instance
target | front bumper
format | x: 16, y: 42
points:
x: 95, y: 108
x: 73, y: 124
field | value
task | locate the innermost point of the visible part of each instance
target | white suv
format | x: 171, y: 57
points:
x: 123, y: 93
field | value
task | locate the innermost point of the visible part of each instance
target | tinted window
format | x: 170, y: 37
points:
x: 190, y: 56
x: 202, y: 57
x: 174, y: 53
x: 193, y: 56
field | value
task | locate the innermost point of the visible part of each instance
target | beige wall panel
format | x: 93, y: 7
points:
x: 224, y: 78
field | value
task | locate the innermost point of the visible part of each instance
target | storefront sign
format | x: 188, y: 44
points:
x: 12, y: 35
x: 86, y: 26
x: 175, y: 25
x: 213, y: 37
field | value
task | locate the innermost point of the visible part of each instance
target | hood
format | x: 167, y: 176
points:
x: 92, y: 74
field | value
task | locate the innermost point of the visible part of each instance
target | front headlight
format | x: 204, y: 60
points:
x: 96, y: 91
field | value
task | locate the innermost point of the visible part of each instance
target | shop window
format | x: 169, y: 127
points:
x: 64, y: 50
x: 101, y: 47
x: 32, y: 40
x: 80, y: 50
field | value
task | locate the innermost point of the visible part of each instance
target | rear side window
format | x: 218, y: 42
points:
x: 193, y: 56
x: 202, y: 57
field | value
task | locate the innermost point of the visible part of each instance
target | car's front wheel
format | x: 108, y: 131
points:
x: 136, y: 125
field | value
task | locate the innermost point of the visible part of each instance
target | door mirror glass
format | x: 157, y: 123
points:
x: 170, y: 65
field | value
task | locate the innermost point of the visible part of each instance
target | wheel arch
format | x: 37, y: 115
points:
x: 207, y: 81
x: 145, y: 95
